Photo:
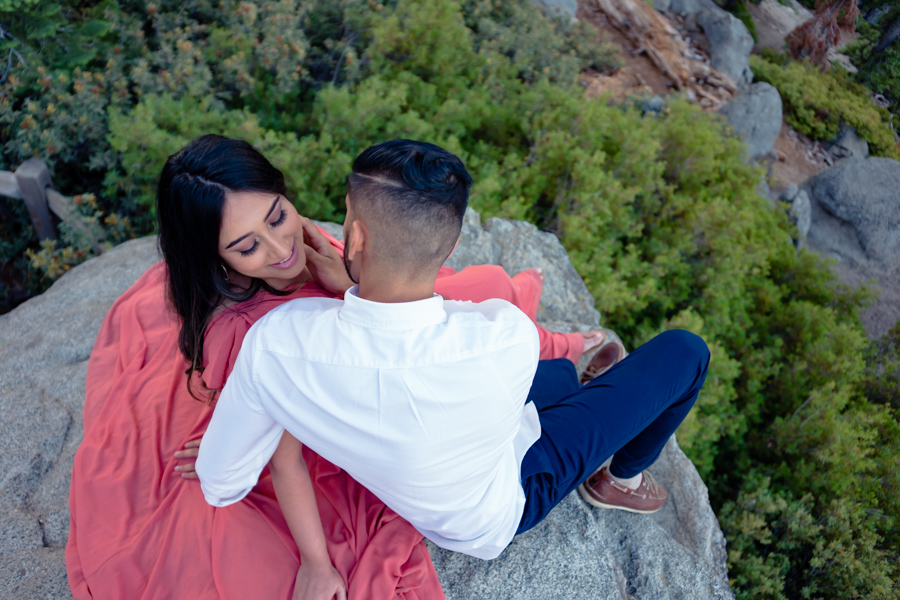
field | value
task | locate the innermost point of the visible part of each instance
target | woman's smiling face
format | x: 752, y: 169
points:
x: 262, y: 237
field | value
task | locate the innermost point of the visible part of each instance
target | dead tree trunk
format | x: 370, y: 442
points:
x: 887, y: 37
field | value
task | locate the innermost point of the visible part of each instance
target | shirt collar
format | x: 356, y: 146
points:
x: 396, y: 315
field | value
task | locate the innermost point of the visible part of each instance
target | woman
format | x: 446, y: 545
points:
x: 233, y: 249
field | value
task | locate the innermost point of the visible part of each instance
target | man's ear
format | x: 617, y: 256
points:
x: 358, y: 240
x: 454, y: 249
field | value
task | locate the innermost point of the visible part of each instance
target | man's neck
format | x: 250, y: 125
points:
x: 390, y: 292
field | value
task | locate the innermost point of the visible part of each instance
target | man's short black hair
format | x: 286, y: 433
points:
x: 412, y: 196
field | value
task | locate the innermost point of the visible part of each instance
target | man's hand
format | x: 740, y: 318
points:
x: 323, y: 260
x: 191, y: 450
x: 319, y: 581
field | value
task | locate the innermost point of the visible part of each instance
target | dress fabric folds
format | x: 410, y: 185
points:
x: 140, y: 531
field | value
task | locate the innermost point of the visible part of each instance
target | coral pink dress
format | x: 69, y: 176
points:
x: 138, y: 530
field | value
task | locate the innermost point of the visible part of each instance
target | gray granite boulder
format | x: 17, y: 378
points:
x: 578, y: 551
x: 755, y: 114
x: 855, y: 219
x: 730, y: 44
x: 856, y: 212
x: 583, y: 552
x: 517, y: 246
x: 44, y: 347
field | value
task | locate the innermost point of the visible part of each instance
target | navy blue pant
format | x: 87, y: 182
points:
x: 629, y: 413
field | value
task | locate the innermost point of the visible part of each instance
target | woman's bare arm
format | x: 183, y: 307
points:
x: 317, y: 579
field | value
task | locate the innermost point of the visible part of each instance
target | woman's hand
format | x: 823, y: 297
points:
x: 323, y: 260
x: 319, y: 581
x: 191, y: 450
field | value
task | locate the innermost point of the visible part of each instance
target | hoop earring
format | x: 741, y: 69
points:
x: 224, y: 270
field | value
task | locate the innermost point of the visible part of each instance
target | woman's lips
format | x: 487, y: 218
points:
x: 288, y: 262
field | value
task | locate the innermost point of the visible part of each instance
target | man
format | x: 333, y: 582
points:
x: 440, y: 408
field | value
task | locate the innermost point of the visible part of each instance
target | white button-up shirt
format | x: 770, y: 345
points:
x: 421, y: 402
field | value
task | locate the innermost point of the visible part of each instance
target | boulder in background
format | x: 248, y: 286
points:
x: 730, y: 44
x: 855, y: 218
x: 755, y: 113
x: 856, y: 212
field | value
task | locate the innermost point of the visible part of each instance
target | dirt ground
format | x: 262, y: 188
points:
x: 798, y: 157
x: 639, y: 75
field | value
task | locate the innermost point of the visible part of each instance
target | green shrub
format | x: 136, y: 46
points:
x: 816, y: 102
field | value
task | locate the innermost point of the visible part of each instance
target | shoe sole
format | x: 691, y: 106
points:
x: 594, y: 502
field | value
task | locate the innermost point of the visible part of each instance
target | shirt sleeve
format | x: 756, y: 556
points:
x: 240, y: 439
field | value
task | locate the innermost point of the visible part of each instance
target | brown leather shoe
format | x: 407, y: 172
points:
x: 611, y: 351
x: 601, y: 490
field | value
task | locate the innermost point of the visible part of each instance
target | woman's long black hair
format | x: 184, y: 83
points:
x: 190, y: 200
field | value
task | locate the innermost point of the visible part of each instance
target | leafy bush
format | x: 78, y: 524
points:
x: 816, y: 102
x: 660, y: 215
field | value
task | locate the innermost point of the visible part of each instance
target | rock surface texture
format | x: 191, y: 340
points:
x: 855, y: 219
x: 578, y: 551
x: 755, y: 114
x: 730, y: 44
x: 847, y: 145
x: 44, y: 347
x: 775, y: 19
x: 800, y: 211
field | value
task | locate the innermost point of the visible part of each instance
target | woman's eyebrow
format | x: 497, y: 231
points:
x: 271, y: 208
x: 243, y: 237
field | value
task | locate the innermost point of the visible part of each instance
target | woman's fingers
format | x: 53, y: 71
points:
x: 316, y: 240
x: 193, y: 443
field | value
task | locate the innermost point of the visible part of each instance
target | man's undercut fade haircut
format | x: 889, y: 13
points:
x: 412, y: 196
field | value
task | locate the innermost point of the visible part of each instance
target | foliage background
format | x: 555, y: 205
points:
x: 795, y: 432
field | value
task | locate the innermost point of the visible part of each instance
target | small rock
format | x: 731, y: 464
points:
x: 789, y: 193
x: 656, y: 104
x: 834, y: 56
x: 847, y: 145
x: 661, y: 5
x: 564, y: 8
x: 801, y: 213
x: 755, y: 114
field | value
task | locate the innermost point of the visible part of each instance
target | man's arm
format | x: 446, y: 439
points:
x: 317, y: 578
x: 241, y: 437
